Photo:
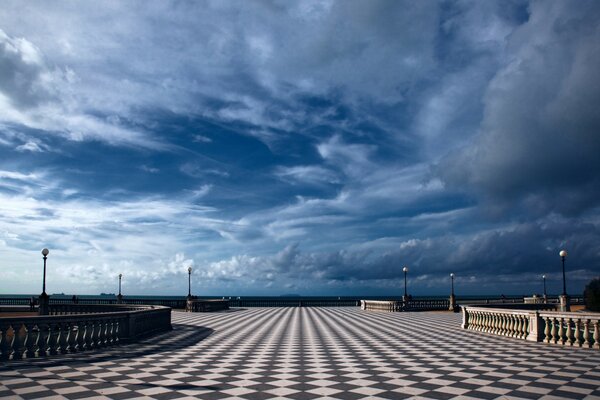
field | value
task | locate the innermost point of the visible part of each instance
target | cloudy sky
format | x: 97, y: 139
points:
x: 309, y: 147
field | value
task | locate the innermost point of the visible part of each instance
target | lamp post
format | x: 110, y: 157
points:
x: 45, y: 253
x: 120, y: 296
x: 44, y: 298
x: 452, y: 306
x: 405, y: 270
x: 189, y: 282
x: 563, y: 255
x: 564, y: 299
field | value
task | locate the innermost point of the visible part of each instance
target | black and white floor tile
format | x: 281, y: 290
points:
x: 312, y: 353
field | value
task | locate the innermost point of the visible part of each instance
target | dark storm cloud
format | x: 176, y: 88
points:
x: 538, y: 144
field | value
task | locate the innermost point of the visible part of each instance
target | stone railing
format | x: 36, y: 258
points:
x: 409, y: 305
x: 291, y: 302
x: 381, y: 305
x: 568, y: 329
x: 38, y: 336
x: 199, y: 305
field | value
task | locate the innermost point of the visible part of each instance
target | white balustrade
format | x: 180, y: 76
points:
x: 566, y: 329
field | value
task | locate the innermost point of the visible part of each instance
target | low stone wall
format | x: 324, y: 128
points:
x: 567, y: 329
x: 198, y: 305
x: 38, y: 336
x: 409, y: 305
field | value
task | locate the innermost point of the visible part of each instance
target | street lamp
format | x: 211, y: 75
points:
x: 563, y: 255
x: 120, y: 296
x: 44, y: 298
x: 544, y: 279
x: 190, y: 282
x: 405, y: 269
x: 453, y: 306
x: 45, y: 253
x: 564, y: 299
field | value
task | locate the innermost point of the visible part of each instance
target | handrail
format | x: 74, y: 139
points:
x: 39, y: 336
x: 563, y: 328
x: 200, y: 305
x: 408, y: 305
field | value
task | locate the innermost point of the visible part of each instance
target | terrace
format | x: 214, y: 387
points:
x: 311, y: 352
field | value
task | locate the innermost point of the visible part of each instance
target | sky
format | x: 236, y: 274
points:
x: 299, y: 147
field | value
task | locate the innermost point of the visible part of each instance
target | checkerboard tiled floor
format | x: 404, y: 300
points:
x: 309, y: 353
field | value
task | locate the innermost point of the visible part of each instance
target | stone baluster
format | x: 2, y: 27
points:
x: 19, y: 342
x: 110, y: 329
x: 512, y: 332
x: 586, y: 333
x: 86, y: 334
x: 30, y: 340
x: 102, y: 335
x: 71, y: 337
x: 94, y: 334
x: 63, y: 339
x: 42, y: 340
x: 578, y: 334
x: 596, y: 344
x: 482, y: 319
x: 568, y: 340
x: 53, y: 338
x: 517, y: 326
x: 79, y: 339
x: 5, y: 342
x: 547, y: 330
x: 486, y: 322
x: 562, y: 330
x: 554, y: 331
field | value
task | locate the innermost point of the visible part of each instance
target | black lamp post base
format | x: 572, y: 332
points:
x: 119, y: 299
x: 44, y: 308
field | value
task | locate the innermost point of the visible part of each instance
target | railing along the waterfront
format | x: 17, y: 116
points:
x: 87, y: 327
x: 409, y: 305
x: 202, y: 305
x: 275, y: 302
x: 22, y: 301
x: 563, y: 328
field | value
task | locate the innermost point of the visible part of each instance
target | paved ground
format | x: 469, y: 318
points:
x: 306, y: 353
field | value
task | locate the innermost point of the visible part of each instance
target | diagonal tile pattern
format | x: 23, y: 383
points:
x: 310, y: 353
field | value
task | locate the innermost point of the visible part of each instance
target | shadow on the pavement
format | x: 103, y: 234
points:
x: 180, y: 337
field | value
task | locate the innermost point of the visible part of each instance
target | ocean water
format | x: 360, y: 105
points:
x: 330, y: 298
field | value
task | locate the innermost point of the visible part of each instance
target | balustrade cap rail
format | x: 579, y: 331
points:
x: 500, y: 310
